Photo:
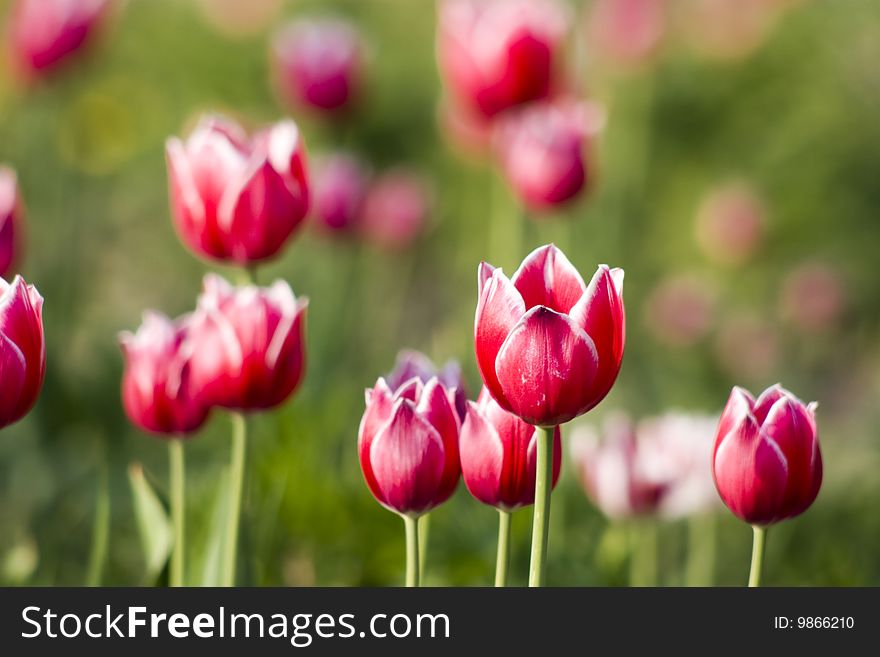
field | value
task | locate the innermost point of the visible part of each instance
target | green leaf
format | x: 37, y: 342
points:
x: 154, y: 525
x: 212, y: 550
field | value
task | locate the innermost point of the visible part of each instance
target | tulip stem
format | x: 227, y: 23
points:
x: 100, y: 532
x: 176, y: 463
x: 502, y: 562
x: 424, y: 532
x: 758, y: 542
x: 412, y: 550
x: 236, y: 484
x: 541, y: 518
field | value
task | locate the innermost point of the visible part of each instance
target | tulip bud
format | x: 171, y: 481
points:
x: 318, y: 63
x: 548, y: 346
x: 339, y: 185
x: 11, y: 212
x: 43, y: 33
x: 248, y: 344
x: 626, y: 32
x: 408, y: 446
x: 767, y: 464
x: 396, y: 209
x: 498, y: 454
x: 496, y: 54
x: 413, y: 364
x: 22, y: 349
x: 158, y: 394
x: 543, y: 151
x: 236, y: 198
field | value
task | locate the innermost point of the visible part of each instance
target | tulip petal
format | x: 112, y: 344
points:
x: 482, y: 457
x: 484, y: 273
x: 739, y: 406
x: 21, y: 322
x: 767, y: 399
x: 547, y: 278
x: 544, y: 367
x: 13, y: 370
x: 434, y: 406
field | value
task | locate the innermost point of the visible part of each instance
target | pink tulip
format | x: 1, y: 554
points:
x: 22, y: 349
x: 339, y: 185
x: 44, y: 33
x: 767, y: 464
x: 158, y: 394
x: 236, y: 198
x: 728, y: 29
x: 319, y: 63
x: 396, y: 209
x: 730, y: 224
x: 681, y: 309
x: 548, y: 346
x: 626, y: 32
x: 544, y: 151
x: 498, y: 454
x: 496, y: 54
x: 408, y: 445
x: 747, y: 346
x: 813, y: 297
x: 11, y: 214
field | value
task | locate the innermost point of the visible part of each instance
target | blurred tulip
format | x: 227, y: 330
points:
x: 680, y: 310
x: 548, y: 346
x: 238, y: 19
x: 543, y: 150
x: 728, y: 29
x: 470, y: 134
x: 626, y: 32
x: 339, y: 186
x: 43, y: 33
x: 496, y: 54
x: 766, y: 462
x: 747, y: 347
x: 236, y: 198
x: 11, y: 215
x: 396, y: 209
x: 408, y: 445
x: 158, y: 394
x: 730, y: 224
x: 813, y: 297
x: 413, y: 364
x: 248, y: 344
x: 319, y: 63
x: 22, y: 349
x: 498, y: 454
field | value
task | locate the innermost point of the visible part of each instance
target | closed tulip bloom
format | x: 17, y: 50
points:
x: 248, y: 344
x: 158, y: 394
x: 22, y: 349
x: 767, y: 464
x: 412, y: 364
x: 544, y: 151
x: 318, y: 63
x: 11, y: 212
x: 498, y: 454
x: 548, y: 346
x: 496, y: 54
x: 408, y: 445
x: 339, y: 187
x: 237, y: 198
x: 396, y: 209
x: 43, y: 33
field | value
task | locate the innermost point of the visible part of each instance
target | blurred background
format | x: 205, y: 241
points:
x: 736, y: 180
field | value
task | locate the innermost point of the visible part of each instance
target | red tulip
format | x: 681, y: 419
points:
x: 248, y: 344
x: 495, y: 54
x: 157, y: 386
x: 235, y: 198
x: 396, y: 209
x: 408, y: 445
x: 767, y: 464
x: 627, y: 32
x: 549, y: 347
x: 11, y: 212
x: 498, y: 454
x: 318, y: 63
x: 43, y: 33
x: 22, y: 349
x: 339, y: 187
x: 543, y: 150
x: 413, y: 364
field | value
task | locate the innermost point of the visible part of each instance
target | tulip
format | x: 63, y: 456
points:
x: 766, y: 463
x: 318, y: 63
x: 396, y: 209
x: 339, y: 188
x: 236, y: 198
x: 747, y: 346
x: 813, y: 297
x: 496, y: 54
x: 730, y: 224
x: 728, y: 29
x: 11, y: 211
x: 549, y: 349
x: 414, y: 364
x: 44, y: 33
x: 627, y: 32
x: 681, y: 309
x: 408, y: 450
x: 543, y: 150
x: 22, y: 349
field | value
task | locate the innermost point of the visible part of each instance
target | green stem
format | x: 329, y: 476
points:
x: 100, y: 532
x: 412, y: 550
x: 176, y: 462
x: 758, y: 542
x: 502, y: 561
x: 236, y: 484
x: 541, y: 518
x: 643, y: 559
x: 424, y: 532
x: 700, y: 569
